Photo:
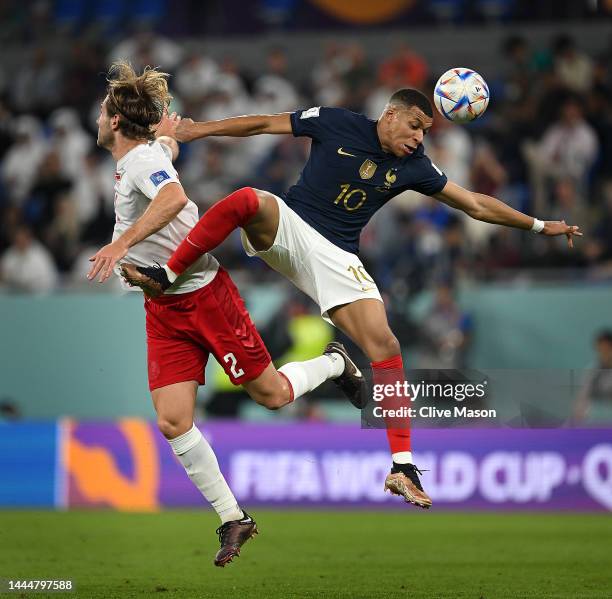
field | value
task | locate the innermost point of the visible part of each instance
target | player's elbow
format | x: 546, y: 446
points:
x: 180, y: 201
x: 475, y: 208
x: 475, y: 212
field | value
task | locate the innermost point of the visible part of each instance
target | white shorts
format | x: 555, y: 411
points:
x: 328, y: 274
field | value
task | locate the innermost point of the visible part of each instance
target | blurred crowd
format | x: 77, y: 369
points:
x: 544, y: 146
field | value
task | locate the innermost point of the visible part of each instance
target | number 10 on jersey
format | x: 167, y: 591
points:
x: 345, y: 195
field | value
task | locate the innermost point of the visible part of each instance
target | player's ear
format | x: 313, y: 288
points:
x: 390, y: 114
x: 114, y: 122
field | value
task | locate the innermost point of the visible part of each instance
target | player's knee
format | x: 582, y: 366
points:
x: 262, y: 196
x: 384, y: 346
x: 272, y: 399
x: 172, y: 427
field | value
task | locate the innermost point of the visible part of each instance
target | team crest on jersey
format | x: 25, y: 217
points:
x: 117, y: 176
x: 390, y: 179
x: 367, y: 169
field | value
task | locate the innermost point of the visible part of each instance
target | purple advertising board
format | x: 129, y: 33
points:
x: 129, y: 465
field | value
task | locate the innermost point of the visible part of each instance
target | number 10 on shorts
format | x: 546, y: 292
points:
x: 231, y: 360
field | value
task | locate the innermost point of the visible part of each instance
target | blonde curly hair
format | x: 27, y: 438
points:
x: 139, y: 100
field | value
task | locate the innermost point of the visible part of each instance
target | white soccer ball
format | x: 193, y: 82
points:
x: 461, y: 95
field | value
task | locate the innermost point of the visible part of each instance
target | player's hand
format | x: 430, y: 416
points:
x: 185, y: 130
x: 167, y: 126
x: 105, y: 259
x: 559, y: 227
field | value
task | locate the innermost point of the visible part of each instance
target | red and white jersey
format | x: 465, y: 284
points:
x: 140, y: 175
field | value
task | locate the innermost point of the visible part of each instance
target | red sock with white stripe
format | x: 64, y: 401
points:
x: 389, y: 372
x: 216, y: 224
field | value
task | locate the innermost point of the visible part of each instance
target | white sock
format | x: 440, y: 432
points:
x: 402, y: 457
x: 172, y: 276
x: 308, y: 375
x: 200, y: 462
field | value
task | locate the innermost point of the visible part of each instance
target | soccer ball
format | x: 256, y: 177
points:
x: 461, y: 95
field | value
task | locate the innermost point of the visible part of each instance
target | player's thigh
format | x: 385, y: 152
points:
x: 270, y: 389
x: 225, y: 327
x: 261, y: 230
x: 292, y: 244
x: 365, y: 322
x: 175, y: 405
x: 173, y: 356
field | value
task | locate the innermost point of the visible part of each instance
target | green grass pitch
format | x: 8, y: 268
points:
x: 300, y: 554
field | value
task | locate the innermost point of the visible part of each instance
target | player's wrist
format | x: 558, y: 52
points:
x: 122, y: 243
x: 538, y: 225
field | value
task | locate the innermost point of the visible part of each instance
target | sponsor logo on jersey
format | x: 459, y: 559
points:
x: 159, y: 177
x: 117, y: 176
x: 343, y: 153
x: 367, y: 169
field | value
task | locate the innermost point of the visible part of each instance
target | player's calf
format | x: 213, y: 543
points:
x: 270, y: 389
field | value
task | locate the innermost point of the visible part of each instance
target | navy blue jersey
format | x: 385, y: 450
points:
x: 348, y: 176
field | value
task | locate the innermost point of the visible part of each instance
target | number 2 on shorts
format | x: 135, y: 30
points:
x: 231, y: 359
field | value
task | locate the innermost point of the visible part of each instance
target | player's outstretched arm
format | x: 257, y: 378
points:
x: 491, y: 210
x: 163, y: 208
x: 239, y: 126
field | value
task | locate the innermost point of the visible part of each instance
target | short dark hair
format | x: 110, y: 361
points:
x: 412, y: 97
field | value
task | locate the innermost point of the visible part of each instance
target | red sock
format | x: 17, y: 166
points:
x: 234, y: 211
x: 389, y: 372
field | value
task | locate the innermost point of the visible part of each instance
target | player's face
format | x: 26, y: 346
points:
x: 404, y: 130
x: 106, y: 136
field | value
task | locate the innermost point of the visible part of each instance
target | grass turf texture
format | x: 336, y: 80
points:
x: 318, y: 555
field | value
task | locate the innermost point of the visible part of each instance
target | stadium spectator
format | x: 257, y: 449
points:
x: 598, y: 248
x: 356, y: 78
x: 49, y: 186
x: 594, y: 403
x: 326, y: 80
x: 574, y: 68
x: 195, y: 79
x: 9, y: 410
x: 146, y: 47
x: 446, y: 332
x: 405, y: 68
x: 10, y: 219
x: 63, y: 233
x: 27, y: 266
x: 568, y: 204
x: 70, y: 141
x: 92, y: 192
x: 229, y: 95
x: 570, y: 145
x: 568, y: 148
x: 273, y: 92
x: 206, y: 176
x: 23, y: 158
x: 38, y: 84
x: 85, y: 58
